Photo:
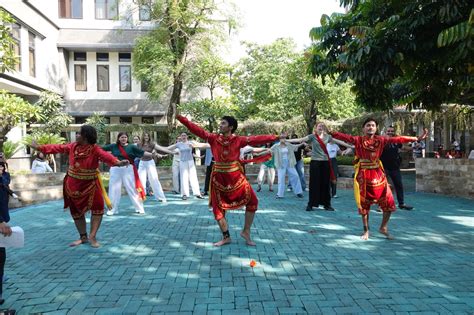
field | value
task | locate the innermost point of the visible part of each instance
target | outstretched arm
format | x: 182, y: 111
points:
x: 163, y: 149
x: 200, y: 145
x: 344, y: 144
x: 299, y: 140
x: 404, y: 139
x: 192, y: 127
x: 258, y: 140
x: 343, y: 137
x: 52, y: 148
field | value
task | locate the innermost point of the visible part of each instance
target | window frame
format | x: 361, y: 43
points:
x: 107, y: 10
x: 70, y: 15
x: 85, y: 77
x: 129, y: 78
x: 108, y: 77
x: 17, y: 40
x: 140, y: 10
x: 32, y: 49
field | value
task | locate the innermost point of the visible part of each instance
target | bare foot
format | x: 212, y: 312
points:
x: 365, y: 236
x: 384, y: 231
x: 94, y: 242
x: 246, y: 236
x: 77, y: 243
x: 224, y: 241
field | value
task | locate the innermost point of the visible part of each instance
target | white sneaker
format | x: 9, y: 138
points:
x: 162, y: 200
x: 15, y: 196
x: 288, y: 189
x: 306, y: 189
x: 110, y: 212
x: 210, y: 210
x: 335, y: 196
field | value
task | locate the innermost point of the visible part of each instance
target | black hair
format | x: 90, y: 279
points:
x: 121, y: 133
x: 369, y: 120
x: 38, y: 155
x: 89, y: 133
x: 231, y: 121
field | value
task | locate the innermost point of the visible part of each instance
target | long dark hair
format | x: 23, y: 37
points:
x: 121, y: 133
x: 150, y: 141
x: 89, y: 133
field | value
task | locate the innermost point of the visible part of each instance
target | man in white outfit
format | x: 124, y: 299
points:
x: 285, y: 161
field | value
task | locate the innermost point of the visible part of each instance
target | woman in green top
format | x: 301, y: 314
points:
x: 125, y: 174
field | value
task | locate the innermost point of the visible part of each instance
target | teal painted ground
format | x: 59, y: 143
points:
x: 307, y: 262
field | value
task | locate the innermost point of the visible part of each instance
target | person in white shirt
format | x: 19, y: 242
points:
x: 175, y: 169
x: 285, y: 161
x: 333, y: 151
x: 40, y: 165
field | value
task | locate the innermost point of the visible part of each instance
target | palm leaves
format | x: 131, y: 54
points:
x: 457, y: 32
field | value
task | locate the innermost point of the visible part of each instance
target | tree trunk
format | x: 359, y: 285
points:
x: 311, y: 116
x: 174, y: 102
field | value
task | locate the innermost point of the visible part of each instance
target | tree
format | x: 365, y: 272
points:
x: 210, y: 72
x: 8, y: 58
x: 259, y: 80
x: 399, y: 52
x: 99, y: 122
x: 208, y: 111
x: 53, y: 118
x: 184, y: 30
x: 13, y: 111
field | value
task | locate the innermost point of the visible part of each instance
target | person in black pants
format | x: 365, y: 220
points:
x: 391, y: 161
x: 4, y: 218
x: 209, y: 162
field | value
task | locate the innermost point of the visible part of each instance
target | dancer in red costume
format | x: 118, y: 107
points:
x: 83, y: 189
x: 229, y: 187
x: 370, y: 182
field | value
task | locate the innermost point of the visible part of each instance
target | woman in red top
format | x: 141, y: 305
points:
x: 370, y: 183
x: 82, y: 187
x: 229, y: 187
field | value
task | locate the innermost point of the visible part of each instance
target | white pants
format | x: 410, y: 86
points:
x: 119, y: 175
x: 187, y: 176
x: 147, y: 169
x: 293, y: 178
x: 270, y: 175
x: 175, y: 169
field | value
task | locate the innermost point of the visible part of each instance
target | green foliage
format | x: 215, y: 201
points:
x: 53, y: 118
x: 412, y: 52
x: 209, y: 111
x: 184, y: 30
x: 99, y: 122
x: 10, y: 148
x: 8, y: 59
x: 13, y: 111
x: 273, y: 84
x: 209, y: 72
x: 43, y: 138
x: 168, y: 161
x: 345, y: 160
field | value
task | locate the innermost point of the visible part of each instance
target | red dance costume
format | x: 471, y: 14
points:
x: 229, y: 188
x: 81, y: 187
x: 370, y: 182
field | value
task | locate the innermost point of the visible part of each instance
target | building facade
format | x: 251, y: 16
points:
x: 81, y: 49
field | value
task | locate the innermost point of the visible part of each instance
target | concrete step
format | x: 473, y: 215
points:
x: 31, y: 181
x: 32, y: 196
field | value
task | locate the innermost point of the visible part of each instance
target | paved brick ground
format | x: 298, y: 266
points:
x: 307, y: 262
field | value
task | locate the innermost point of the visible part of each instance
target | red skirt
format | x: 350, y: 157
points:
x: 82, y: 195
x: 230, y: 189
x: 373, y: 189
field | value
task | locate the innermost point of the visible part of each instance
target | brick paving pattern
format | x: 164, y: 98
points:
x: 307, y: 262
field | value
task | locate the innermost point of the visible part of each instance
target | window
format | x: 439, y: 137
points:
x: 31, y: 54
x: 144, y: 86
x: 125, y: 57
x: 80, y: 120
x: 80, y: 56
x: 80, y: 77
x: 125, y: 78
x: 106, y: 9
x: 125, y: 120
x: 70, y: 9
x: 148, y: 120
x: 15, y: 32
x: 144, y: 12
x: 102, y: 78
x: 102, y: 56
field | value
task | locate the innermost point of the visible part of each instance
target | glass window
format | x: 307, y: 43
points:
x: 102, y: 56
x: 102, y: 78
x: 80, y: 77
x: 125, y: 78
x: 125, y: 57
x: 70, y: 9
x: 125, y: 120
x: 106, y: 9
x: 80, y: 120
x: 144, y: 12
x: 31, y: 54
x: 148, y: 120
x: 16, y: 35
x: 80, y: 56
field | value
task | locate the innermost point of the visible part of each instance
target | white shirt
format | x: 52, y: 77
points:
x: 244, y: 150
x: 332, y: 150
x: 39, y: 167
x: 284, y: 153
x: 185, y: 151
